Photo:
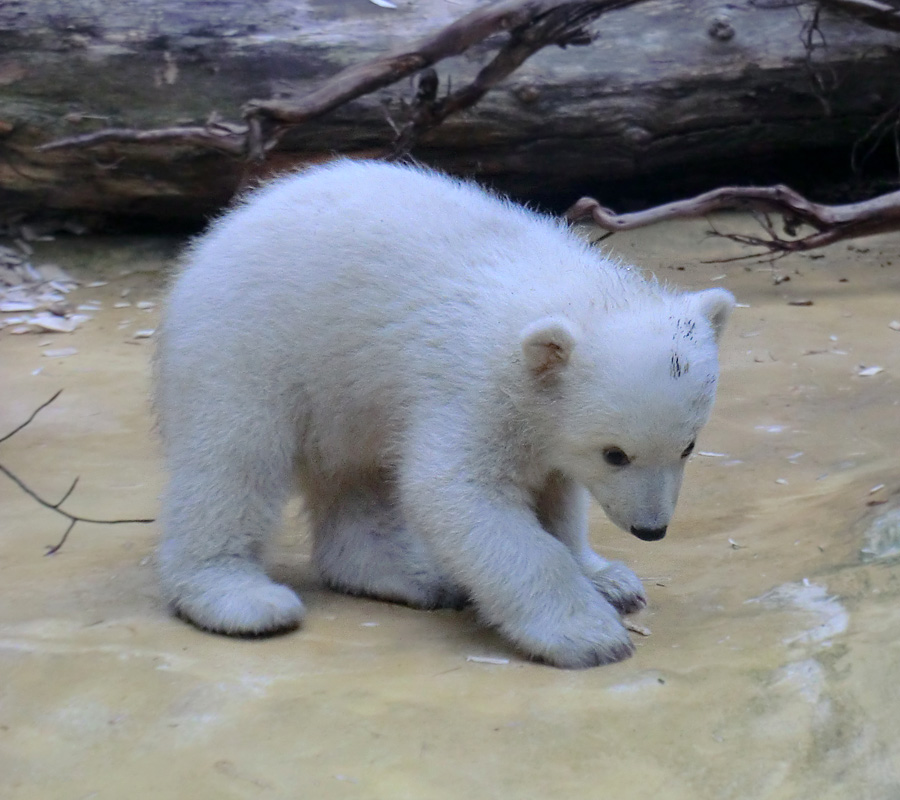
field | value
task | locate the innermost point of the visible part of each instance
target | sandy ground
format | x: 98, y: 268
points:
x: 770, y: 671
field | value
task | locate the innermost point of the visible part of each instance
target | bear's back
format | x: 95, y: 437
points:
x: 352, y: 226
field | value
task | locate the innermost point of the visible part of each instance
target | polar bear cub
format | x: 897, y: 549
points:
x: 445, y: 376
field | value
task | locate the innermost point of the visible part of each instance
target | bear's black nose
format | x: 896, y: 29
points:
x: 649, y: 534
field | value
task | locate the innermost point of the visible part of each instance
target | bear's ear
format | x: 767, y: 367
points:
x: 716, y: 305
x: 547, y: 344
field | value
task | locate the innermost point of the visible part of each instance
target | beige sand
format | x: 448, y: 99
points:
x: 771, y: 671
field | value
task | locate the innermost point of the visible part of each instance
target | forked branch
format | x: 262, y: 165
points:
x: 829, y: 223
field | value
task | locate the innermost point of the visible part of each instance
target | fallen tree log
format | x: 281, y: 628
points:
x: 667, y: 85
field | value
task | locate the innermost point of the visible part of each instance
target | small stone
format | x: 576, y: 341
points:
x: 720, y: 28
x: 527, y: 94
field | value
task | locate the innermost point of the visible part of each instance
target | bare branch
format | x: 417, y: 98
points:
x: 831, y: 223
x: 454, y: 40
x: 531, y: 24
x: 73, y: 518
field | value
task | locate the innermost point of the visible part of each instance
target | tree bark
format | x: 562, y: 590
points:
x: 668, y: 85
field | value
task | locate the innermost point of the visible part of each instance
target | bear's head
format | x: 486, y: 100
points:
x: 626, y: 395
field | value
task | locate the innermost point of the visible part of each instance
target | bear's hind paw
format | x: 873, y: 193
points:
x: 250, y: 606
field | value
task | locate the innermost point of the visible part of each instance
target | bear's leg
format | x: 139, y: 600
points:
x: 562, y: 508
x: 521, y: 579
x: 362, y: 547
x: 225, y: 497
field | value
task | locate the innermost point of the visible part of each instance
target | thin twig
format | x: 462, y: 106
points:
x: 34, y: 413
x: 73, y: 518
x: 53, y: 549
x: 65, y: 497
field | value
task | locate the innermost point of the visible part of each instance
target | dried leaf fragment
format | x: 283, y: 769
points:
x: 54, y: 272
x: 635, y: 628
x: 487, y: 660
x: 17, y: 305
x: 50, y: 322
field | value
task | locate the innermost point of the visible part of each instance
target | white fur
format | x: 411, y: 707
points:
x: 440, y: 372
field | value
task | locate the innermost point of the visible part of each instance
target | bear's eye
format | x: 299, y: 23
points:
x: 688, y: 450
x: 615, y: 456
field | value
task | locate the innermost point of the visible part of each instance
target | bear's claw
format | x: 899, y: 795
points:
x: 618, y: 584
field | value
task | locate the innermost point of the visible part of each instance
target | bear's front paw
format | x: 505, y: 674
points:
x: 586, y: 636
x: 618, y: 584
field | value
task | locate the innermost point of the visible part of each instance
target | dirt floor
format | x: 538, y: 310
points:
x: 771, y: 667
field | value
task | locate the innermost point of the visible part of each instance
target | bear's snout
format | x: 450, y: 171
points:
x: 649, y: 534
